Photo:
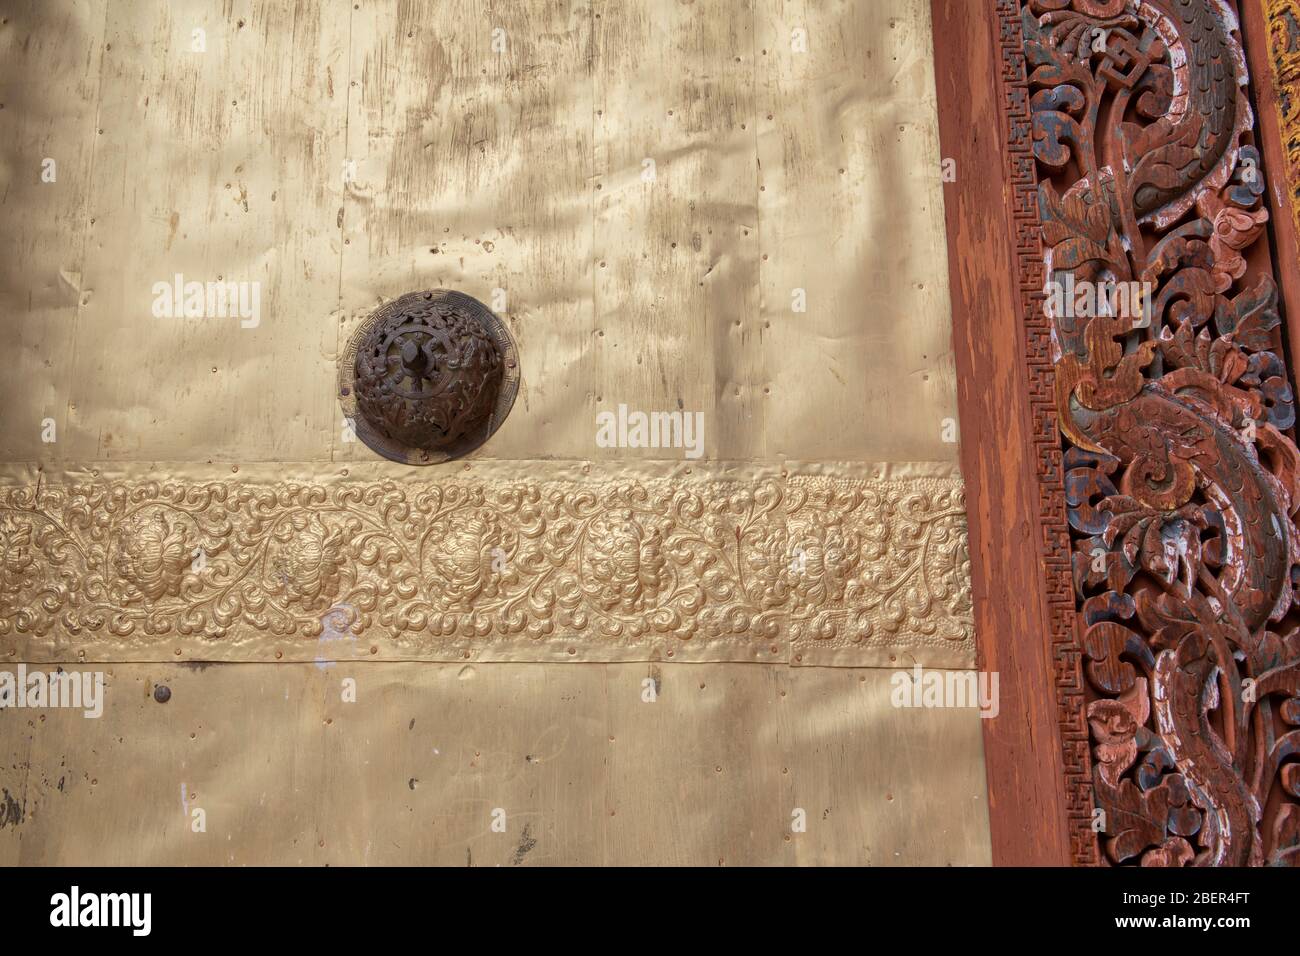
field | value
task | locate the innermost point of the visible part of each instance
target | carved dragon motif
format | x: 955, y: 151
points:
x: 1182, y: 479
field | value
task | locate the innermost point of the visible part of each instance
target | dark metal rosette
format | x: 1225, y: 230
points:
x: 428, y: 377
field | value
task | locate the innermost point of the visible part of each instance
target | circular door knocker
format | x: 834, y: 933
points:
x: 428, y: 377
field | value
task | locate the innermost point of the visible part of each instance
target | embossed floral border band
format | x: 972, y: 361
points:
x: 549, y: 562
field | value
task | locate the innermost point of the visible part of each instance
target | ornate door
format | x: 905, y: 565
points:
x: 646, y: 432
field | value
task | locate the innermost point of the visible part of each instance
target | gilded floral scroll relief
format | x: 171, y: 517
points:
x: 805, y: 569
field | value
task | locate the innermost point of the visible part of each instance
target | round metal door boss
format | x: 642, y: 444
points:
x: 428, y: 377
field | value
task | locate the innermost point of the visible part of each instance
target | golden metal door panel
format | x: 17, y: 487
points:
x: 718, y: 209
x: 327, y: 155
x: 584, y: 771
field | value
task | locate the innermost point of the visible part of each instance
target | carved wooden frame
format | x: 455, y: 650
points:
x: 1138, y: 465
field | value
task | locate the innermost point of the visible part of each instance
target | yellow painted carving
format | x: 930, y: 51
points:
x: 1284, y: 56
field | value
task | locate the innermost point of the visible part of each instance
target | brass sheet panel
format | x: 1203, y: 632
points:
x: 800, y: 568
x: 585, y: 771
x: 341, y: 154
x: 339, y: 157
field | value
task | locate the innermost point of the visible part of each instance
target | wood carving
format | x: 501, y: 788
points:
x: 1284, y: 57
x: 1167, y: 383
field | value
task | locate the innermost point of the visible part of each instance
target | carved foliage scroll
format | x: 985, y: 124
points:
x: 1171, y: 393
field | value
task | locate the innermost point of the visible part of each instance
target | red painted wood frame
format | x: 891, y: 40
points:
x: 1131, y: 479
